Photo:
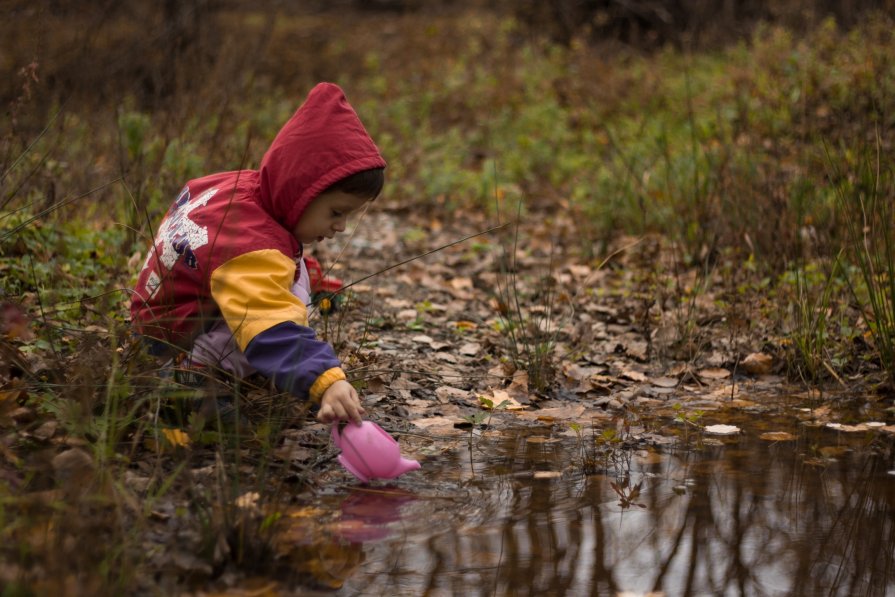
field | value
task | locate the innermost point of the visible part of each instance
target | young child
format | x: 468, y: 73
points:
x: 225, y: 283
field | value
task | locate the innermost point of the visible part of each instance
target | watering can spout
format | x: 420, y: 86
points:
x: 405, y: 465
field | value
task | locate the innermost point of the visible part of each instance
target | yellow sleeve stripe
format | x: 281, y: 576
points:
x: 254, y: 293
x: 326, y: 379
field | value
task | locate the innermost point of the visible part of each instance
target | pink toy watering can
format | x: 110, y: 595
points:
x: 368, y: 452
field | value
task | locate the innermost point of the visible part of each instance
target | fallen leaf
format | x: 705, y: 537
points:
x: 461, y: 283
x: 447, y: 393
x: 540, y: 439
x: 559, y: 413
x: 501, y: 397
x: 633, y: 375
x: 713, y: 373
x: 665, y: 382
x: 777, y: 436
x: 579, y: 271
x: 176, y: 437
x: 757, y: 363
x: 546, y: 474
x: 470, y: 349
x: 848, y: 428
x: 833, y: 451
x: 439, y: 425
x: 248, y: 500
x: 722, y: 429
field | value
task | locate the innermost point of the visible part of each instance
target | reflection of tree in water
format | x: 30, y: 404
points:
x: 749, y: 519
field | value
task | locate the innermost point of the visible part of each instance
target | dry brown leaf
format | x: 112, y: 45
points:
x: 499, y: 397
x: 470, y: 349
x: 461, y: 283
x: 633, y: 375
x: 540, y: 439
x: 777, y: 436
x: 433, y: 422
x: 722, y: 429
x: 849, y: 428
x: 447, y: 393
x: 547, y: 474
x: 665, y: 382
x: 757, y: 363
x: 723, y: 393
x: 559, y: 413
x: 713, y: 373
x: 579, y: 271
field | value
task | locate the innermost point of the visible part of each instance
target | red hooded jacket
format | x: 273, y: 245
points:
x: 226, y: 248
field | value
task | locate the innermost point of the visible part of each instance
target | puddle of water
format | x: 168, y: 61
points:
x: 517, y: 515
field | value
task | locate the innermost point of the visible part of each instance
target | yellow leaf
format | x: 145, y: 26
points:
x: 176, y: 437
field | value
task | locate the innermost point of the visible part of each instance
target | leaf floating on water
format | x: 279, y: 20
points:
x: 849, y: 428
x: 665, y: 382
x: 540, y: 439
x: 547, y: 474
x: 777, y: 436
x: 722, y: 429
x: 833, y: 451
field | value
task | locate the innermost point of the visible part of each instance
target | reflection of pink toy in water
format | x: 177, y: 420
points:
x: 368, y: 514
x: 368, y: 452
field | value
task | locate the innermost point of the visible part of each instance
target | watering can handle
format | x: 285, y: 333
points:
x: 334, y: 431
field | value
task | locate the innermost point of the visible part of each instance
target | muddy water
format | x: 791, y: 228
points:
x: 535, y: 511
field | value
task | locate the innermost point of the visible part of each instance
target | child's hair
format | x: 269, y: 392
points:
x: 366, y: 184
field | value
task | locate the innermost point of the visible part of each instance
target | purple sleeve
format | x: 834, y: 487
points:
x: 292, y: 356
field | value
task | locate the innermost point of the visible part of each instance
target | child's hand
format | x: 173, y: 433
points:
x: 340, y: 403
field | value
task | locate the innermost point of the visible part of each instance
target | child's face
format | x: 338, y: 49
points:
x: 326, y: 216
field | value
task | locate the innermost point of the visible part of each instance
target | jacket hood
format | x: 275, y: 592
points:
x: 322, y: 143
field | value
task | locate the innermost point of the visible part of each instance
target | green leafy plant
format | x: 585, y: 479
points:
x: 864, y: 195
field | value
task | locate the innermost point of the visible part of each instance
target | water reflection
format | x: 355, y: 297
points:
x: 746, y: 518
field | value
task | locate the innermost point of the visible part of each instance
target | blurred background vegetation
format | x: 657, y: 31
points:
x: 745, y: 132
